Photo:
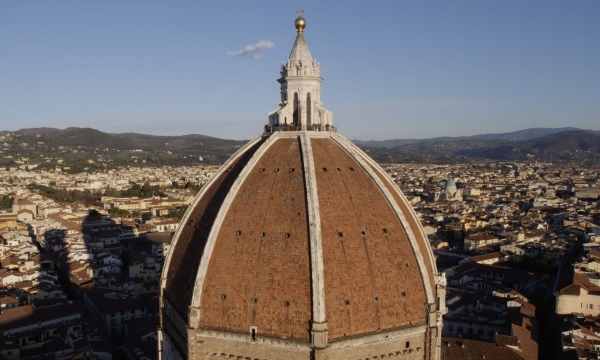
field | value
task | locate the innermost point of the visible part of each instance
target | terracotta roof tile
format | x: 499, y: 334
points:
x: 261, y: 257
x: 376, y: 272
x: 465, y: 349
x: 187, y: 252
x: 259, y: 272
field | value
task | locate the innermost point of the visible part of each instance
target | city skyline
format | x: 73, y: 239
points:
x: 397, y: 70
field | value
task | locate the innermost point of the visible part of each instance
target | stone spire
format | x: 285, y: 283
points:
x: 300, y: 62
x: 300, y: 51
x: 300, y: 105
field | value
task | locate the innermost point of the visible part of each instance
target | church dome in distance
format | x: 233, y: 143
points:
x: 300, y: 247
x: 450, y: 182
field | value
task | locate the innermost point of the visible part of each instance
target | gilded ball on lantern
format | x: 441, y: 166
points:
x: 300, y: 24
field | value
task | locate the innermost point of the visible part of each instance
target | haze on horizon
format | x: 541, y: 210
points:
x: 392, y: 70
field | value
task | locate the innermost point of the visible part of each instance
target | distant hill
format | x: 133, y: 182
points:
x: 520, y: 135
x: 81, y: 148
x: 567, y: 146
x: 35, y: 131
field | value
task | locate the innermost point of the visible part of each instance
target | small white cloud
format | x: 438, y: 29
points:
x: 253, y: 51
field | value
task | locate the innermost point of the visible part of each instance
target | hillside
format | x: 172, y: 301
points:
x: 81, y: 148
x: 520, y: 135
x: 569, y: 146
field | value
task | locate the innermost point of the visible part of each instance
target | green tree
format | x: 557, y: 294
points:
x: 117, y: 211
x: 178, y: 212
x: 547, y: 259
x: 7, y: 202
x: 517, y: 259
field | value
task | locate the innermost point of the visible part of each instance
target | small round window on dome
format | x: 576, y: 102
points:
x: 324, y: 169
x: 338, y: 169
x: 376, y: 298
x: 347, y: 302
x: 340, y: 234
x: 224, y: 297
x: 286, y: 303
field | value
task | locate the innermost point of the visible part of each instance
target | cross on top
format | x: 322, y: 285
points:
x: 299, y: 11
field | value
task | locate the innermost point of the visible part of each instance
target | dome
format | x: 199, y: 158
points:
x: 300, y: 247
x: 450, y: 182
x: 297, y: 227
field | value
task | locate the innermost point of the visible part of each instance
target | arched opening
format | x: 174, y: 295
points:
x: 308, y: 111
x: 296, y: 117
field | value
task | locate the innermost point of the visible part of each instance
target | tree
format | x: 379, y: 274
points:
x: 7, y: 202
x: 146, y: 216
x: 117, y: 211
x: 517, y: 259
x: 178, y: 212
x: 547, y: 259
x: 147, y: 189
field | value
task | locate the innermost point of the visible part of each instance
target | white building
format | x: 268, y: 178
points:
x: 582, y: 296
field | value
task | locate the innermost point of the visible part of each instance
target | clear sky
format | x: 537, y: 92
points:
x: 392, y: 69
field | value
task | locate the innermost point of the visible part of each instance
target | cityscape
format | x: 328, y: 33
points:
x: 517, y: 241
x: 460, y: 241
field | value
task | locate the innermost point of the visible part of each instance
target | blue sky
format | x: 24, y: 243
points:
x: 392, y: 69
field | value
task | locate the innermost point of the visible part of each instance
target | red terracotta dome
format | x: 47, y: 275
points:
x: 297, y: 227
